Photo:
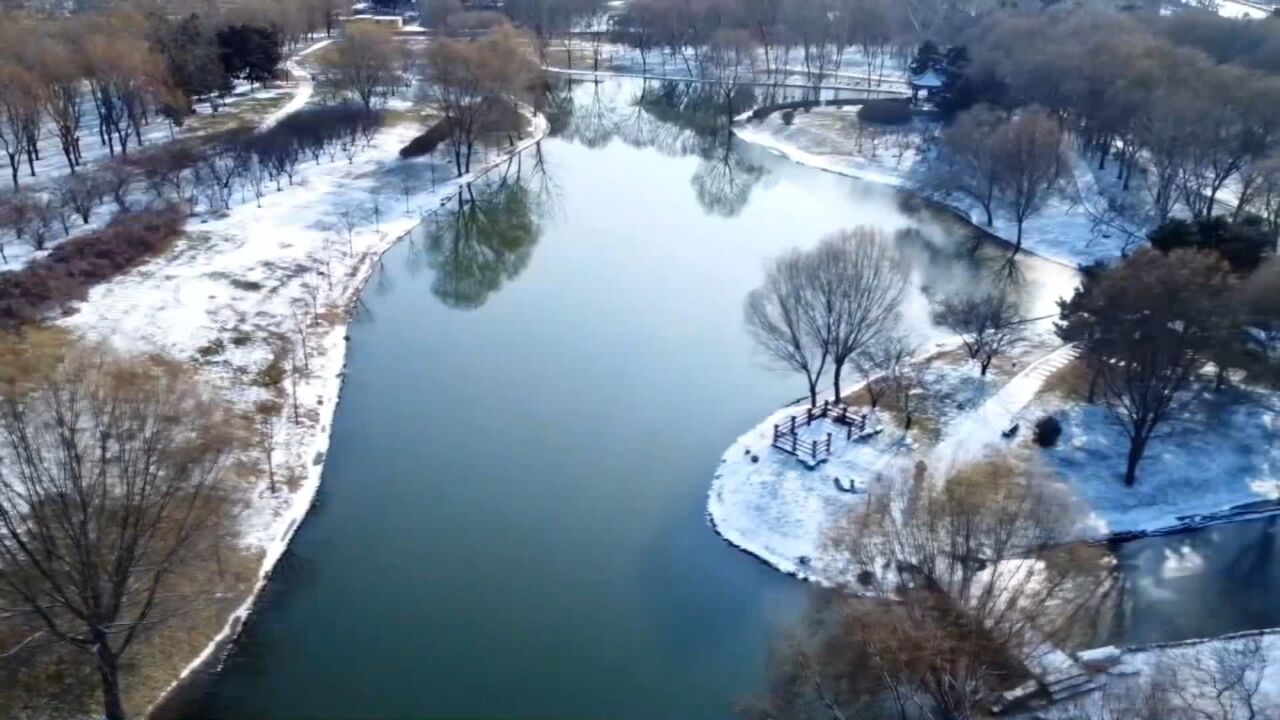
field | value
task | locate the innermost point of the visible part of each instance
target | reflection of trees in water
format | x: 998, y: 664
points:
x: 723, y: 182
x: 675, y: 118
x: 483, y: 239
x: 957, y: 258
x: 595, y: 120
x: 557, y: 104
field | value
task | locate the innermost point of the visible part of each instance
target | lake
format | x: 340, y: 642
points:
x: 541, y: 382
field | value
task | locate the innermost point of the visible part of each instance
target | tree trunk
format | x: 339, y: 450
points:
x: 109, y: 673
x: 1018, y: 245
x: 836, y: 377
x: 1137, y: 446
x: 813, y: 392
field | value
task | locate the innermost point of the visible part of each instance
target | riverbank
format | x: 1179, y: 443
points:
x: 244, y: 286
x: 1073, y: 228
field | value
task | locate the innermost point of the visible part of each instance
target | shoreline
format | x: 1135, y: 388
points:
x: 1243, y: 512
x: 332, y: 365
x: 741, y: 127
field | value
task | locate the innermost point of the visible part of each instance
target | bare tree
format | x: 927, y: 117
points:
x: 1260, y: 193
x: 19, y: 116
x: 267, y: 423
x: 878, y: 361
x: 112, y: 482
x: 860, y: 282
x: 906, y: 382
x: 730, y: 61
x: 347, y: 221
x: 988, y: 323
x: 969, y: 166
x: 780, y: 315
x: 365, y: 64
x: 1151, y: 324
x: 474, y: 85
x: 1027, y: 152
x: 82, y: 193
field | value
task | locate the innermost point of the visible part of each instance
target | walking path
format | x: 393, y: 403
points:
x: 969, y: 435
x: 302, y: 95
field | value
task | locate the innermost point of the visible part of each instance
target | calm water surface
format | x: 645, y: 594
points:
x: 541, y: 383
x: 1217, y: 580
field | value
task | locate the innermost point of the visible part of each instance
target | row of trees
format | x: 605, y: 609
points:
x: 211, y: 171
x: 1157, y: 108
x: 138, y: 61
x: 821, y: 32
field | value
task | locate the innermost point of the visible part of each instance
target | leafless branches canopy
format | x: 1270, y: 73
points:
x: 109, y: 482
x: 818, y: 309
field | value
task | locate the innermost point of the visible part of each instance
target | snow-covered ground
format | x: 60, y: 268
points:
x: 831, y: 139
x: 1219, y: 455
x: 1244, y: 10
x: 766, y: 502
x: 1218, y: 679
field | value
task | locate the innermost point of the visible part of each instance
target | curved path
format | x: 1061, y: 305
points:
x: 302, y: 95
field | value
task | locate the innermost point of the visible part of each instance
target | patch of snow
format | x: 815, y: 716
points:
x: 1243, y: 10
x: 968, y: 437
x: 1222, y: 454
x: 1192, y: 667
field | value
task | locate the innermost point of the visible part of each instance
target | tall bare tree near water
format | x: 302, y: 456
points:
x: 779, y: 317
x: 861, y: 283
x: 475, y: 83
x: 989, y: 323
x: 1027, y: 153
x: 110, y: 484
x: 968, y: 165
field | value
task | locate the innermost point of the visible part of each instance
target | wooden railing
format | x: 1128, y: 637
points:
x: 810, y: 451
x: 786, y: 434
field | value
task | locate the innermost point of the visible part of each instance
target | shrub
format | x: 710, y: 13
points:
x: 427, y: 142
x: 1242, y: 244
x: 885, y: 112
x: 70, y: 269
x: 1047, y: 432
x: 788, y: 117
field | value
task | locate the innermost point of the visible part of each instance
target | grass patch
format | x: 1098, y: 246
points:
x: 247, y: 112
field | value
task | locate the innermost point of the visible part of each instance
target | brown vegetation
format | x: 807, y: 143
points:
x: 114, y: 494
x: 74, y: 266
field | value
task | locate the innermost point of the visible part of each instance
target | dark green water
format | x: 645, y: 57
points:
x: 511, y: 521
